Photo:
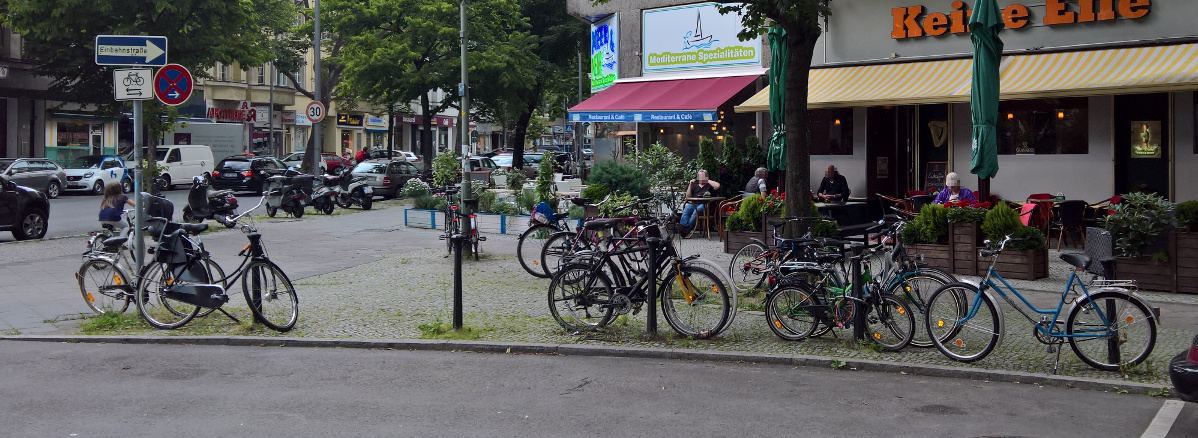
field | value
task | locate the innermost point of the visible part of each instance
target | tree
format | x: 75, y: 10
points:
x: 732, y: 168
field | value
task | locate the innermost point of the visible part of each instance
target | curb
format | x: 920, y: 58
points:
x: 609, y: 351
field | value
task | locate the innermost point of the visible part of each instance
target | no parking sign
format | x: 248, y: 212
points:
x: 173, y: 84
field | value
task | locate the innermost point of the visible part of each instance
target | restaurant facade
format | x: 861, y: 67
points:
x: 1098, y: 96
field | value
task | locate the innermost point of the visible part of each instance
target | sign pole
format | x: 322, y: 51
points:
x: 317, y: 137
x: 138, y: 222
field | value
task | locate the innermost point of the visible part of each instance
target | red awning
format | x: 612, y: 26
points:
x: 667, y: 95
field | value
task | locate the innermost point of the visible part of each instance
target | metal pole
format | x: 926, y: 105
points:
x: 464, y: 91
x: 457, y: 280
x: 138, y: 222
x: 651, y: 325
x: 274, y: 74
x: 317, y: 137
x: 858, y: 294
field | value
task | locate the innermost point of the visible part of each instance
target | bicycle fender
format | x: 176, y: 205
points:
x: 730, y: 285
x: 1156, y: 313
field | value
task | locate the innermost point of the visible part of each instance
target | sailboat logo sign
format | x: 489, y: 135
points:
x: 695, y: 36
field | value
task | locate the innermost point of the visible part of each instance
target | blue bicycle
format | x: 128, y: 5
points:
x: 1108, y: 327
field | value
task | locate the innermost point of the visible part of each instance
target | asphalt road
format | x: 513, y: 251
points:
x: 98, y: 390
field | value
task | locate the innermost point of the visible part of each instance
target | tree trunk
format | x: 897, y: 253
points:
x: 426, y: 136
x: 522, y: 125
x: 798, y: 153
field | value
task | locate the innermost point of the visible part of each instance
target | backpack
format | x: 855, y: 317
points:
x: 544, y: 214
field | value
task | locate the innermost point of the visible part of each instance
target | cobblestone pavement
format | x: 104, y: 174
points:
x: 393, y: 296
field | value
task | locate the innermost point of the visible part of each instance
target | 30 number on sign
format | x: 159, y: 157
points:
x: 315, y: 112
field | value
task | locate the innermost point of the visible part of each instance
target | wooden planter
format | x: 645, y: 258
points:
x: 1147, y: 274
x: 1018, y: 265
x: 937, y: 256
x: 1185, y: 261
x: 418, y: 218
x: 735, y: 240
x: 964, y: 238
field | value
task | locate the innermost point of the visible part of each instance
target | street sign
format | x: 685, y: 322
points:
x: 130, y: 50
x: 315, y: 111
x: 133, y: 83
x: 173, y: 84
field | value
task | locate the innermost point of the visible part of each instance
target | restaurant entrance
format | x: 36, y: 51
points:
x: 889, y: 140
x: 1142, y: 143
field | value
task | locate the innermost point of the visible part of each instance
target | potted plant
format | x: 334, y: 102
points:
x: 1026, y: 257
x: 1139, y: 228
x: 1185, y: 255
x: 927, y: 233
x: 744, y: 224
x: 964, y: 230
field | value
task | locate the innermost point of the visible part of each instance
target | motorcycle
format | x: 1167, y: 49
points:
x: 324, y: 194
x: 351, y: 191
x: 205, y: 203
x: 288, y: 192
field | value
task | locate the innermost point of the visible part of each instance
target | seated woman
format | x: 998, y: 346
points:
x: 700, y: 187
x: 953, y: 192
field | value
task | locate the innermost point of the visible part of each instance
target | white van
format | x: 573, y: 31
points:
x: 183, y: 162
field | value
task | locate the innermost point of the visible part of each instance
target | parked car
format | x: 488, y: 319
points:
x: 386, y: 177
x: 40, y: 174
x: 588, y: 154
x: 23, y: 211
x: 504, y: 161
x: 1183, y: 373
x: 328, y: 161
x: 93, y: 172
x: 181, y: 163
x: 245, y: 174
x: 415, y: 160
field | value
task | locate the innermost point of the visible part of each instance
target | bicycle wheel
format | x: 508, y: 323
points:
x: 695, y: 302
x: 890, y: 324
x: 749, y: 266
x: 155, y: 307
x: 961, y: 339
x: 916, y: 290
x: 270, y: 295
x: 559, y: 249
x: 578, y: 300
x: 216, y: 275
x: 1128, y: 340
x: 449, y: 232
x: 789, y: 312
x: 474, y: 237
x: 104, y: 286
x: 528, y: 250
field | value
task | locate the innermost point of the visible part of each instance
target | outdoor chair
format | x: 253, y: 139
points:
x: 902, y: 204
x: 917, y: 202
x: 722, y: 213
x: 1070, y: 217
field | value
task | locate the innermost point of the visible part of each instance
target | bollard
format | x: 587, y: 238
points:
x: 858, y: 295
x: 651, y: 325
x: 457, y: 280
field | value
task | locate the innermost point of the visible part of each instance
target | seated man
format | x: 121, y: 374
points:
x: 757, y: 183
x: 953, y: 191
x: 700, y: 187
x: 834, y: 187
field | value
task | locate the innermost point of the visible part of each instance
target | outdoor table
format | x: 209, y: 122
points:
x: 710, y: 215
x: 845, y: 213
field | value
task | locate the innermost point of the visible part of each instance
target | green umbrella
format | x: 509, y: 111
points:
x: 987, y: 54
x: 775, y: 158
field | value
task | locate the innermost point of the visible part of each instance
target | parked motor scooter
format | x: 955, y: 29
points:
x: 324, y: 194
x: 288, y: 192
x: 205, y: 203
x: 351, y: 191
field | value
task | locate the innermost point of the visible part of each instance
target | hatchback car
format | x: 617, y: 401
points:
x: 386, y: 177
x: 1183, y: 373
x: 24, y: 211
x: 39, y: 174
x: 93, y: 172
x: 245, y: 174
x: 327, y: 161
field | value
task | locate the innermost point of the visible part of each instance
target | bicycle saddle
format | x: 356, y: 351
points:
x: 581, y: 202
x: 1080, y: 261
x: 600, y: 224
x: 193, y: 228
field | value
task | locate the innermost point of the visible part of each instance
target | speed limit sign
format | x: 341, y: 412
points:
x: 315, y: 111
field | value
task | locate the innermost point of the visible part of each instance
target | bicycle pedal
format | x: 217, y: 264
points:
x: 482, y: 239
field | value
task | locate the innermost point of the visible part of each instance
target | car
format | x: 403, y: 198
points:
x: 415, y: 160
x: 180, y: 163
x: 23, y: 211
x: 532, y: 160
x: 90, y: 173
x: 40, y: 174
x: 245, y: 174
x: 588, y: 154
x: 328, y: 161
x: 386, y: 177
x: 1183, y: 373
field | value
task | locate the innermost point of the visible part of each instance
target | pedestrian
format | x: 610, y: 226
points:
x: 361, y: 155
x: 834, y: 187
x: 700, y: 187
x: 757, y: 183
x: 953, y: 192
x: 113, y: 205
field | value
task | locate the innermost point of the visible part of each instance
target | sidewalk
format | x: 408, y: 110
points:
x: 363, y: 276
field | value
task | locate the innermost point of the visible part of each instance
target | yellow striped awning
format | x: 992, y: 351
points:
x: 1083, y: 73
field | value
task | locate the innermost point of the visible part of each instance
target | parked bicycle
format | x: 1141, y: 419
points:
x: 454, y: 221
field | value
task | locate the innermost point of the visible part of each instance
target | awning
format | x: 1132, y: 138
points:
x: 1065, y: 74
x: 681, y: 100
x: 89, y: 116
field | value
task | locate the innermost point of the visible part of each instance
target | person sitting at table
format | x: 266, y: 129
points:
x: 700, y: 187
x: 757, y: 183
x: 834, y: 187
x: 953, y: 192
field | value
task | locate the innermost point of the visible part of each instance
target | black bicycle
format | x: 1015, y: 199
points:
x: 454, y: 219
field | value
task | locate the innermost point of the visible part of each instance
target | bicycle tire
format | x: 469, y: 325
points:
x: 531, y: 244
x: 559, y: 248
x: 270, y: 295
x: 155, y: 308
x: 448, y: 233
x: 576, y: 306
x: 788, y: 312
x: 699, y: 307
x: 105, y: 286
x: 1133, y: 325
x: 474, y: 237
x: 963, y: 341
x: 890, y: 324
x: 916, y: 290
x: 749, y: 265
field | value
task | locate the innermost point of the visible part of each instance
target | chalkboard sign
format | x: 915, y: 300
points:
x: 481, y: 175
x: 934, y: 176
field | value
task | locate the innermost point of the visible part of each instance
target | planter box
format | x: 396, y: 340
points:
x: 938, y: 256
x: 767, y: 230
x: 1148, y: 275
x: 735, y: 240
x: 489, y: 223
x: 417, y: 218
x: 964, y: 239
x: 1185, y: 261
x: 1018, y: 265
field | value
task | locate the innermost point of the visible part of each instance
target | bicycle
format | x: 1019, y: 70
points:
x: 564, y: 245
x: 1113, y: 313
x: 453, y: 217
x: 533, y: 240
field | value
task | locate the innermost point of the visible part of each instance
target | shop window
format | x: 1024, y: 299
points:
x: 1044, y: 127
x: 831, y: 131
x: 72, y: 134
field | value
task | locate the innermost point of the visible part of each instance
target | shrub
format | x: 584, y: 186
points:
x: 577, y: 212
x: 447, y: 168
x: 614, y: 207
x: 526, y: 201
x: 423, y: 202
x: 754, y: 154
x: 1030, y: 238
x: 1137, y: 223
x: 546, y: 187
x: 486, y: 201
x: 595, y: 192
x: 1000, y: 221
x: 825, y: 229
x: 958, y: 213
x: 515, y: 180
x: 504, y: 207
x: 912, y: 232
x: 1186, y: 214
x: 620, y: 178
x: 706, y: 159
x: 933, y: 223
x: 732, y: 168
x: 414, y: 188
x: 737, y: 222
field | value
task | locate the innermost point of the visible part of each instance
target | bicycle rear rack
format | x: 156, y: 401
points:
x: 1126, y: 284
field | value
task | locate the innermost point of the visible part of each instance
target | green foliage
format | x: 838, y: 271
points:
x: 1137, y: 223
x: 912, y: 232
x: 415, y: 187
x: 577, y: 212
x: 666, y: 173
x: 1000, y: 221
x: 595, y: 192
x: 515, y: 180
x: 733, y: 174
x: 754, y: 153
x: 504, y: 207
x: 1160, y: 257
x: 748, y: 216
x: 546, y: 187
x: 965, y: 214
x: 447, y: 167
x: 738, y: 222
x: 429, y: 202
x: 526, y: 201
x: 1186, y: 214
x: 486, y: 201
x: 933, y: 223
x: 825, y: 229
x: 706, y: 159
x: 614, y: 207
x: 621, y: 178
x: 1029, y: 238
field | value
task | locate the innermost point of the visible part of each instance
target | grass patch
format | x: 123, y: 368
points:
x: 439, y: 329
x: 111, y: 322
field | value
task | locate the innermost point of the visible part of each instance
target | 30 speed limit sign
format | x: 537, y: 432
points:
x: 315, y: 111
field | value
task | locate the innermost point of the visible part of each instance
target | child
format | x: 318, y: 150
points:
x: 113, y: 205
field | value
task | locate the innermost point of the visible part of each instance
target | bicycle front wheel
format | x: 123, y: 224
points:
x: 104, y: 286
x: 578, y: 300
x: 695, y: 302
x: 528, y: 250
x: 916, y: 290
x: 270, y: 295
x: 954, y: 331
x: 1125, y: 338
x: 559, y: 249
x: 790, y: 312
x: 154, y: 303
x: 749, y: 266
x: 890, y: 324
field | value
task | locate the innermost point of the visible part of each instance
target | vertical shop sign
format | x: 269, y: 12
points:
x: 605, y: 53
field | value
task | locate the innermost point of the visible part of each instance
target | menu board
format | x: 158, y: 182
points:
x: 933, y: 178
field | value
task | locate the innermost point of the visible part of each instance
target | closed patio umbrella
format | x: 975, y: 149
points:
x: 984, y: 25
x: 775, y: 158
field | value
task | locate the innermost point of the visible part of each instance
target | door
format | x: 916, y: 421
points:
x: 96, y: 138
x: 889, y: 139
x: 8, y: 203
x: 1142, y: 144
x: 21, y: 173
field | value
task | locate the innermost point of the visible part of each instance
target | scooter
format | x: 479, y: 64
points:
x: 351, y: 191
x: 324, y: 194
x: 288, y: 192
x: 205, y: 203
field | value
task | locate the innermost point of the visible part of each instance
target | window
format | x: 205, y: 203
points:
x: 1044, y: 127
x: 222, y: 72
x: 260, y: 75
x: 72, y: 134
x: 173, y: 157
x: 281, y: 79
x: 831, y: 131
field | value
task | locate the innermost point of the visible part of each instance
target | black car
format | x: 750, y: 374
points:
x: 1183, y: 373
x: 24, y: 211
x: 245, y: 173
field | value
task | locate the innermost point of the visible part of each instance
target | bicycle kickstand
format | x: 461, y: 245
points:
x: 228, y: 315
x: 1058, y: 349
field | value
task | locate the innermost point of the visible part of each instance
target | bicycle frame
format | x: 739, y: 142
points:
x: 1051, y: 330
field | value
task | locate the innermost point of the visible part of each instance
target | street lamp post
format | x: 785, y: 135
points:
x: 318, y: 144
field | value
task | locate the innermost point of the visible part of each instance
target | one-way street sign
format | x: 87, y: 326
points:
x: 130, y: 50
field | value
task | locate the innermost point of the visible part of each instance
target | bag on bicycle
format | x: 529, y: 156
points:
x: 544, y: 214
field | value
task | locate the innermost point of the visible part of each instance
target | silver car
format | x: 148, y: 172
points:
x: 39, y: 174
x: 386, y: 177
